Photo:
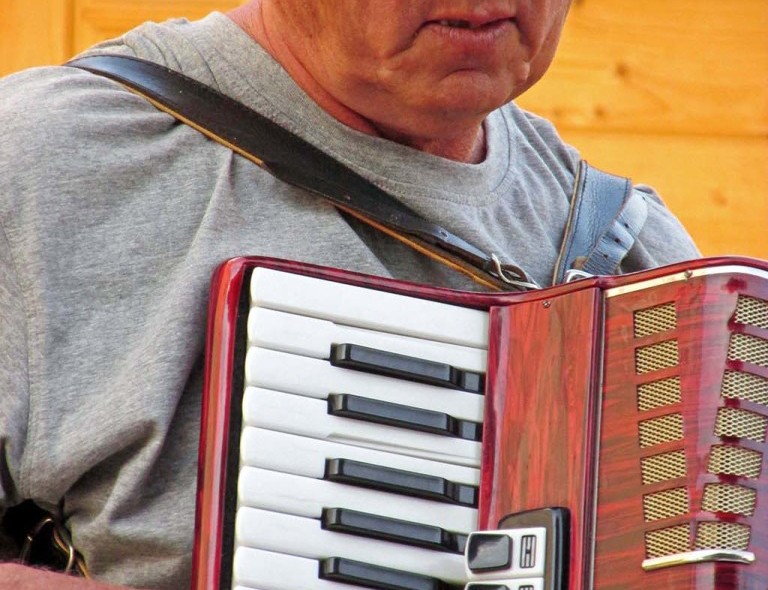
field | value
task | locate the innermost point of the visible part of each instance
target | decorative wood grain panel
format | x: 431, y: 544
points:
x: 654, y: 66
x: 718, y: 187
x: 34, y: 33
x: 96, y: 20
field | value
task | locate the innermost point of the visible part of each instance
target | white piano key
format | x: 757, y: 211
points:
x: 285, y: 533
x: 306, y: 336
x: 265, y: 570
x: 367, y: 308
x: 305, y: 416
x: 305, y: 496
x: 310, y: 377
x: 288, y: 453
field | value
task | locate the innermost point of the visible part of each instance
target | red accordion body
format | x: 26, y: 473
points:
x: 639, y: 404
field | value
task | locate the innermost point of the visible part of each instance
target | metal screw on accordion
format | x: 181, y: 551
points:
x: 547, y: 304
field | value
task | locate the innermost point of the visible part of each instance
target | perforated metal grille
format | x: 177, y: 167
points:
x: 752, y: 311
x: 741, y: 424
x: 661, y: 430
x: 663, y: 467
x: 748, y: 349
x: 738, y: 385
x: 657, y: 394
x: 722, y: 535
x: 730, y: 460
x: 669, y: 541
x: 655, y: 320
x: 720, y: 497
x: 666, y: 504
x: 656, y: 357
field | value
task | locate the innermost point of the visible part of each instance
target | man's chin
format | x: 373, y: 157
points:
x: 465, y: 103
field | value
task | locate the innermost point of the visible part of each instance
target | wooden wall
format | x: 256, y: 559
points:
x: 673, y: 94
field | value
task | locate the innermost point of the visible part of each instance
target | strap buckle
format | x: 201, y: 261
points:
x: 59, y: 541
x: 513, y: 275
x: 575, y: 274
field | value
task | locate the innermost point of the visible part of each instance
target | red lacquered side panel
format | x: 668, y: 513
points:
x: 539, y: 424
x: 212, y: 468
x: 682, y: 445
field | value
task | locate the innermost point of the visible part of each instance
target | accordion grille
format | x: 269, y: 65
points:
x: 702, y: 419
x: 737, y: 385
x: 666, y: 504
x: 752, y: 312
x: 740, y: 424
x: 655, y: 320
x: 663, y: 467
x: 655, y: 357
x: 722, y: 535
x: 661, y: 430
x: 728, y: 498
x: 657, y: 394
x: 730, y: 460
x: 668, y: 541
x: 748, y: 349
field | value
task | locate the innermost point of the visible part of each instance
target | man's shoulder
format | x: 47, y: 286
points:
x: 533, y: 125
x: 53, y: 111
x: 538, y: 145
x: 193, y: 47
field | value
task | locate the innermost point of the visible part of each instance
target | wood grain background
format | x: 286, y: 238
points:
x: 673, y: 94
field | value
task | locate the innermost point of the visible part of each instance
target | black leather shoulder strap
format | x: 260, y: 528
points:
x: 297, y: 162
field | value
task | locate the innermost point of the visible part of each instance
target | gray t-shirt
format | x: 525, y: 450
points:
x: 112, y: 218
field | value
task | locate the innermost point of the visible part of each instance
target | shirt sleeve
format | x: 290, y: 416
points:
x: 663, y: 240
x: 14, y: 399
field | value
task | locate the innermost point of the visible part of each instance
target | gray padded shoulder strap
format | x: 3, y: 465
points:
x: 606, y: 216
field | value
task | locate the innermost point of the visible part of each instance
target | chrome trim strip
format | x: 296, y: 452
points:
x: 700, y: 556
x: 684, y: 276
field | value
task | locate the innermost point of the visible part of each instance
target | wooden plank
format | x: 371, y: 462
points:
x: 656, y: 66
x: 96, y: 20
x: 718, y: 187
x: 33, y: 33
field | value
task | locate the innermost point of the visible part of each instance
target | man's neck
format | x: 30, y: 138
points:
x: 466, y: 147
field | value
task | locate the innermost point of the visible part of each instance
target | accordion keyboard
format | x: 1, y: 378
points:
x: 361, y: 440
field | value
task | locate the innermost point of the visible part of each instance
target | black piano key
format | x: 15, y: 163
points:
x: 400, y: 482
x: 352, y: 522
x: 347, y: 571
x: 381, y: 412
x: 390, y: 364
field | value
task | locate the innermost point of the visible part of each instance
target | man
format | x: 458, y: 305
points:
x: 113, y: 217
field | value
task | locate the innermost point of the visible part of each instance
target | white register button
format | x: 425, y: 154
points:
x: 525, y: 584
x: 508, y: 554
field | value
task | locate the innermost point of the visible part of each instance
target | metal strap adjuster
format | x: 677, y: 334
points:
x: 512, y: 275
x: 60, y: 541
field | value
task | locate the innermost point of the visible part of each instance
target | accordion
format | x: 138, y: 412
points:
x: 360, y: 432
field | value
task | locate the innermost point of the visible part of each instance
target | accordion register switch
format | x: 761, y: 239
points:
x: 528, y: 552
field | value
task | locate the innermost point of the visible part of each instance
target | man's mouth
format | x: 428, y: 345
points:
x: 456, y: 24
x: 465, y: 24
